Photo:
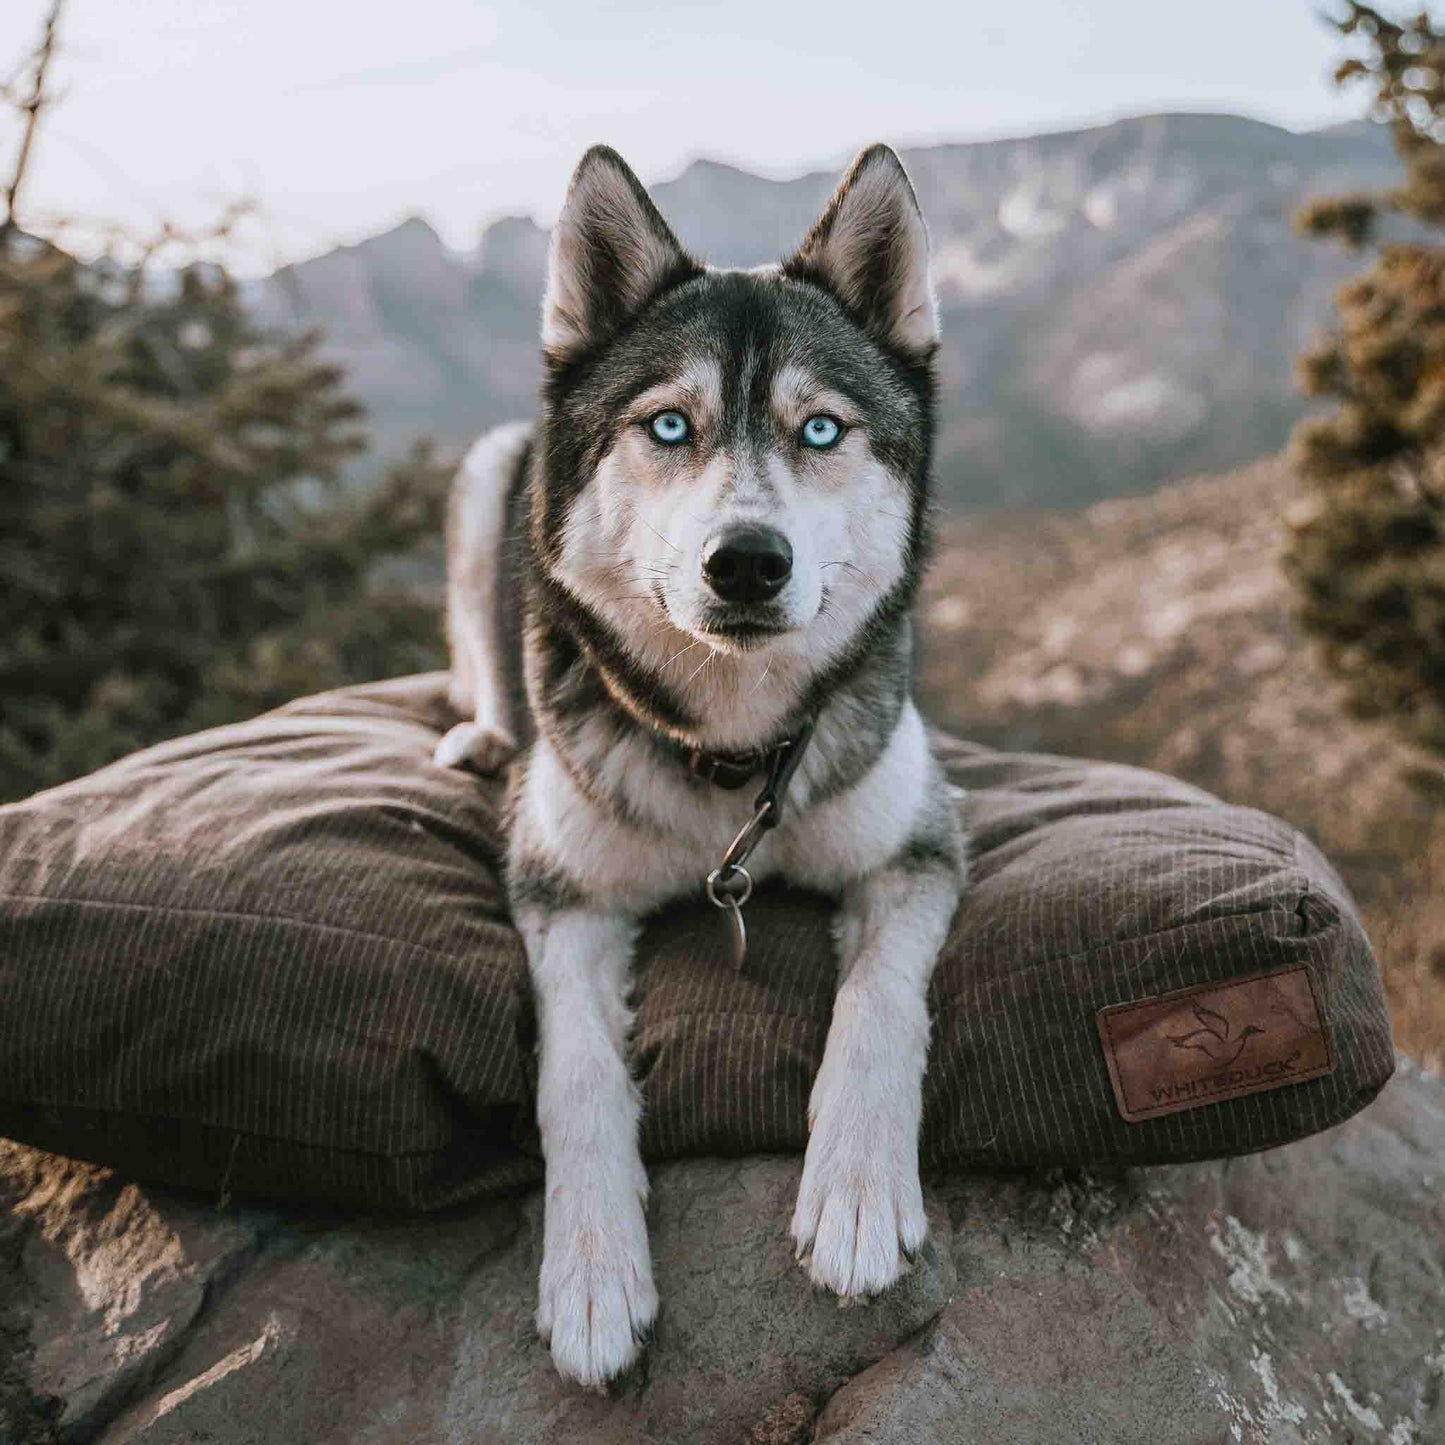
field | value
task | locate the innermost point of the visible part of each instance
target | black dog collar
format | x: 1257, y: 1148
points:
x: 731, y: 771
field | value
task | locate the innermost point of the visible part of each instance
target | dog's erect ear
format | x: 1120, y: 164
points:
x: 611, y: 253
x: 870, y: 249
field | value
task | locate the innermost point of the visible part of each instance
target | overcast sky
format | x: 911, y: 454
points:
x: 343, y: 118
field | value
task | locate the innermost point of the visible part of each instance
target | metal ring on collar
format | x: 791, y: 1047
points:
x: 725, y: 877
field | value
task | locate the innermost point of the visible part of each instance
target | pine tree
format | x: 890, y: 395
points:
x: 1367, y: 547
x: 178, y: 546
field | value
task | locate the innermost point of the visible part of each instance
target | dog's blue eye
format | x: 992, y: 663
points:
x: 821, y: 431
x: 670, y: 428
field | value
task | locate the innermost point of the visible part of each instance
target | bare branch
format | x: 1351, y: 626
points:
x: 30, y: 107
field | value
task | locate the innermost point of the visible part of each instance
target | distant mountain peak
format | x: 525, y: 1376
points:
x: 415, y: 232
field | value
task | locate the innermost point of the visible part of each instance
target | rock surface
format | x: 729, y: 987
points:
x: 1292, y: 1296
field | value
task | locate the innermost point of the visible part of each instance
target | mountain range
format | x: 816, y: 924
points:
x: 1120, y: 304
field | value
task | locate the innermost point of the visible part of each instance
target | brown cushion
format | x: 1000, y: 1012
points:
x: 274, y: 958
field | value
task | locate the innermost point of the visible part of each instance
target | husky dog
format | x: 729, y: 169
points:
x: 721, y: 513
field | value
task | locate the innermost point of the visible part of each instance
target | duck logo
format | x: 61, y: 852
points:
x: 1215, y: 1037
x: 1193, y: 1046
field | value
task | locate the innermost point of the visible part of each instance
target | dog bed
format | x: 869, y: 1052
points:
x: 274, y: 958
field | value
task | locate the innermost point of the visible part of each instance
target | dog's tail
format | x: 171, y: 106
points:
x: 478, y: 527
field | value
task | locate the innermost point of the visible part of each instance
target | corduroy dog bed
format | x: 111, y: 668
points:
x: 274, y: 958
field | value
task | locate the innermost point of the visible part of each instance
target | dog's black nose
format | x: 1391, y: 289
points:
x: 748, y: 564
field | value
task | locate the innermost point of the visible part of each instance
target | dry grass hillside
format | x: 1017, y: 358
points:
x: 1157, y: 630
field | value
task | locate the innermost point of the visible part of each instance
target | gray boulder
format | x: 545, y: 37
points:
x: 1292, y: 1296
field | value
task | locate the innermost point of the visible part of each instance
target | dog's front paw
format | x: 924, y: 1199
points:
x: 597, y: 1301
x: 860, y: 1207
x: 470, y: 745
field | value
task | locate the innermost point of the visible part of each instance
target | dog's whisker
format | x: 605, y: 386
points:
x: 679, y: 653
x: 628, y: 597
x: 654, y: 531
x: 709, y: 658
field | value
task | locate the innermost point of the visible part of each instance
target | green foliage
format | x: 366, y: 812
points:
x: 1367, y: 550
x: 177, y: 547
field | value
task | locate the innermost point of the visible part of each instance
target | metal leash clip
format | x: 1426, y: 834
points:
x: 730, y: 885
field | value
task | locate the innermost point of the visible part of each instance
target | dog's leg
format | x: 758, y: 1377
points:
x: 860, y: 1203
x: 476, y: 537
x: 596, y: 1299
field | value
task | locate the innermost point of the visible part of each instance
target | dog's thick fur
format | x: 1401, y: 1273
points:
x: 631, y: 659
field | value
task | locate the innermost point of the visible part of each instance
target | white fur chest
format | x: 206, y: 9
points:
x: 671, y: 835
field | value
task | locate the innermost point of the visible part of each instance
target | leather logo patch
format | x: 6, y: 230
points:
x: 1214, y: 1041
